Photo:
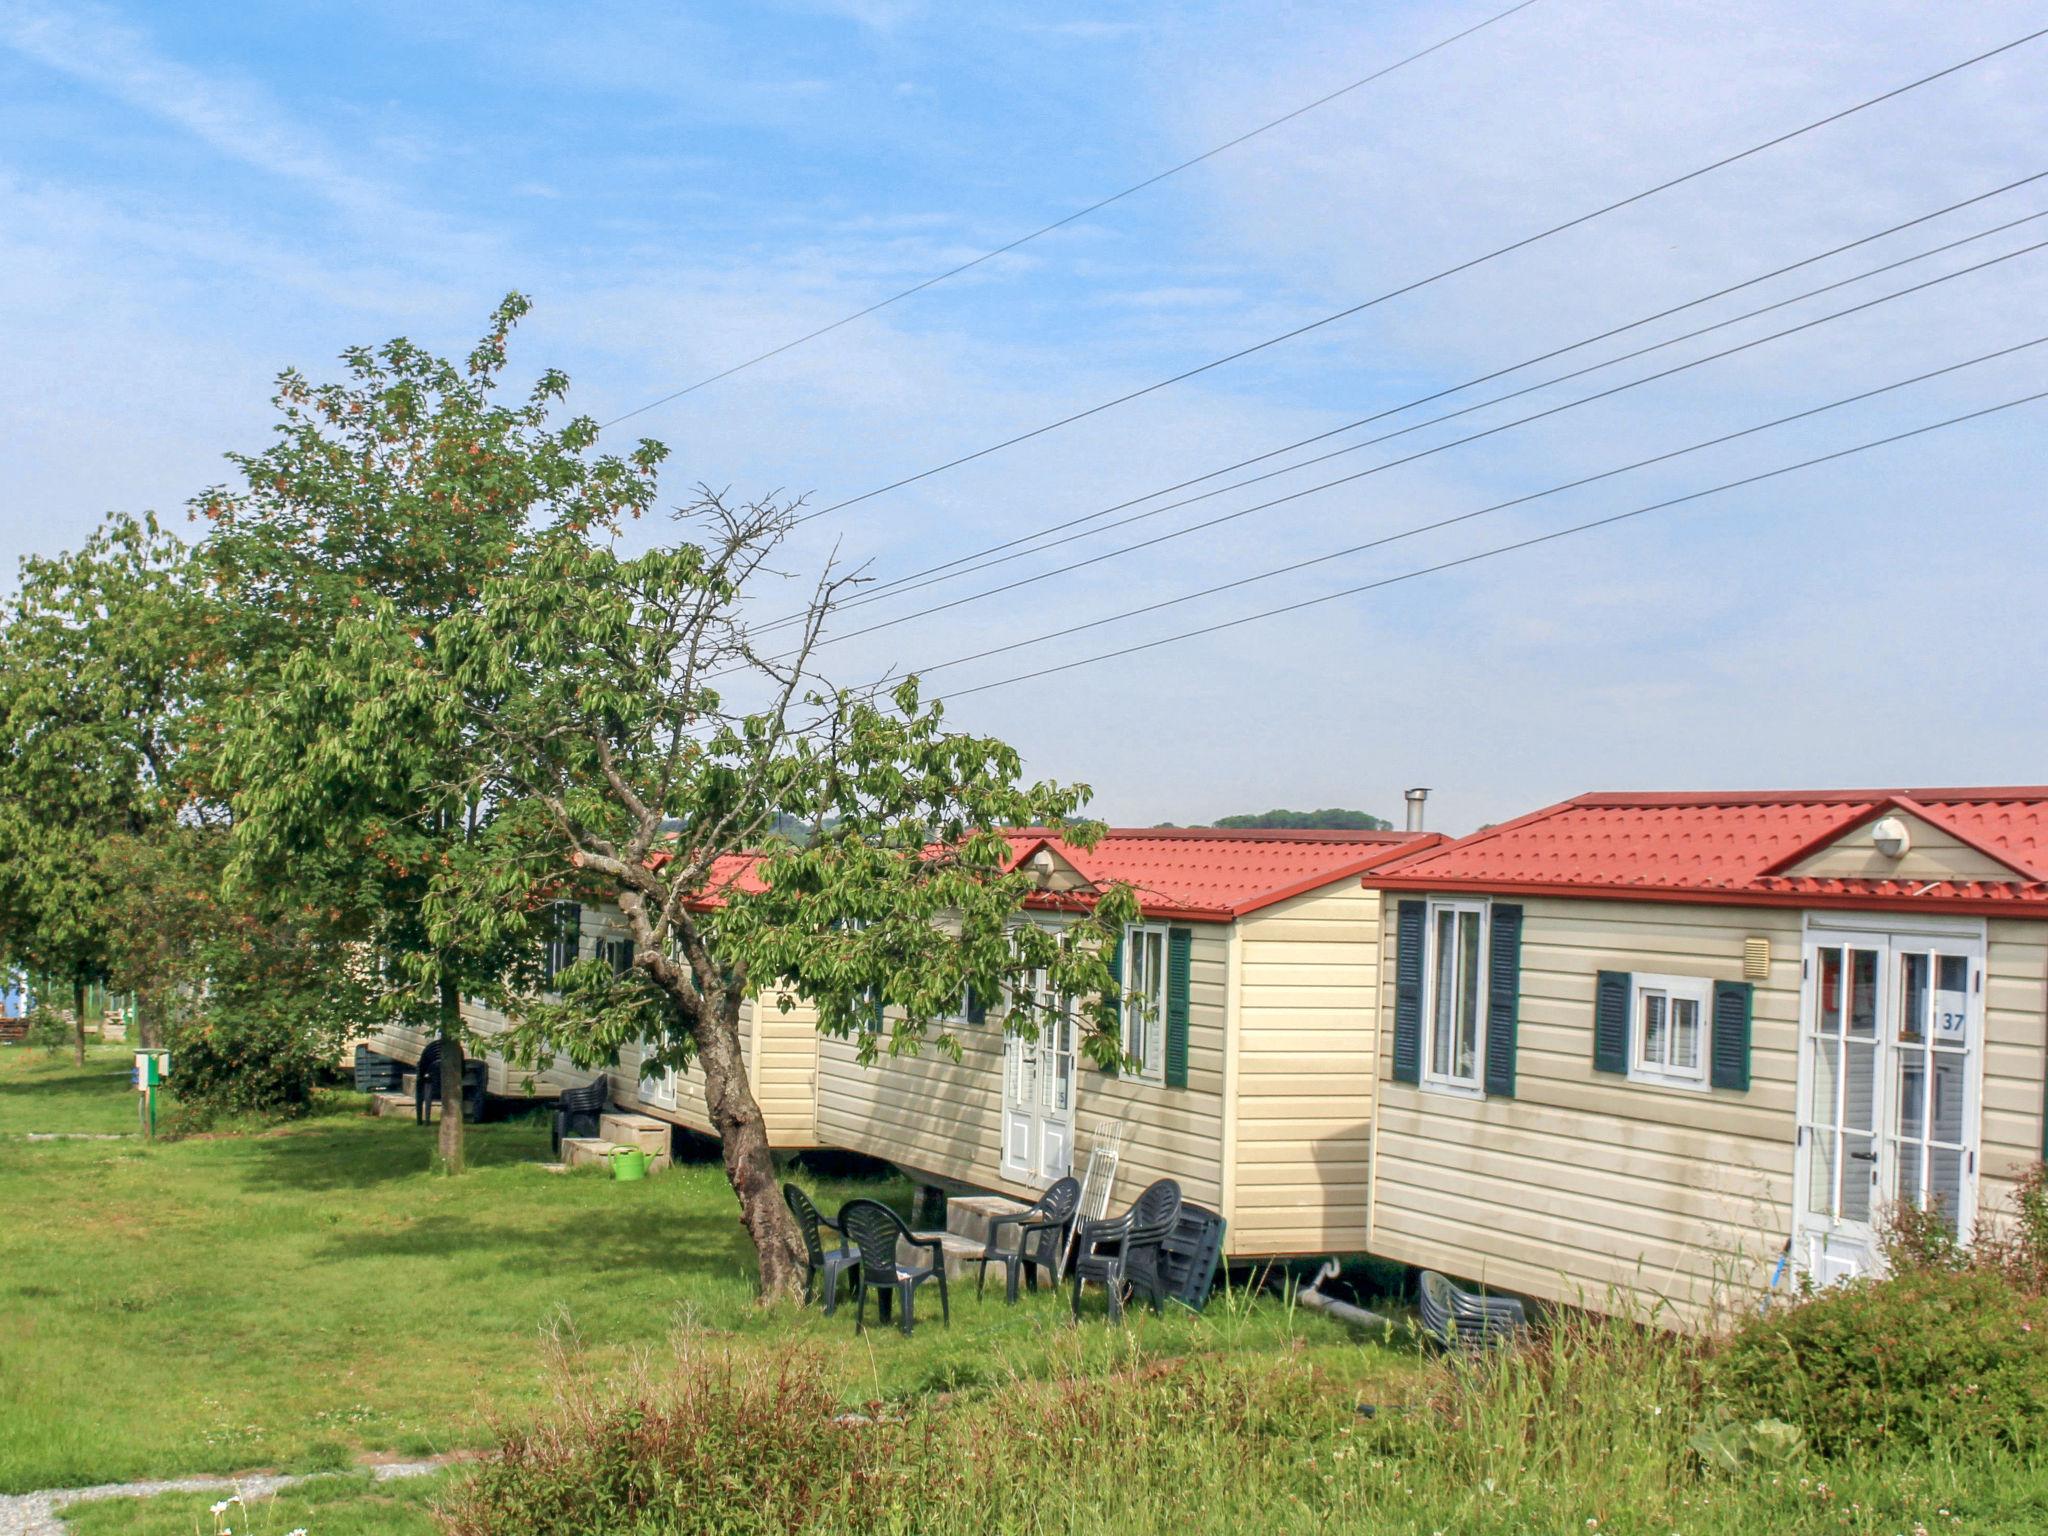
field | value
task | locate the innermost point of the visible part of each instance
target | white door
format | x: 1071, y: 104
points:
x: 1020, y: 1108
x: 1038, y: 1095
x: 660, y: 1089
x: 1887, y: 1094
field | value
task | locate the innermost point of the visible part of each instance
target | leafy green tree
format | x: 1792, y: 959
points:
x: 99, y: 652
x: 1309, y: 821
x: 378, y: 514
x: 643, y: 747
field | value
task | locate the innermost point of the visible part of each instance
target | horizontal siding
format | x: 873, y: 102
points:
x: 1304, y: 1073
x: 782, y: 1073
x: 1588, y: 1188
x: 1585, y: 1187
x: 941, y: 1117
x: 2015, y: 1058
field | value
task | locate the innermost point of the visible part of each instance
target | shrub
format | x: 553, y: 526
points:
x: 242, y: 1061
x: 720, y: 1444
x: 1947, y: 1353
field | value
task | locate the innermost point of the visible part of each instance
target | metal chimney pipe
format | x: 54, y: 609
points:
x: 1415, y: 798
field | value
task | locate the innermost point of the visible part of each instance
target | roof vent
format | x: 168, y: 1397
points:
x: 1415, y: 798
x: 1890, y: 837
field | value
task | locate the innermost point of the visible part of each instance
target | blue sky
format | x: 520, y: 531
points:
x: 193, y: 197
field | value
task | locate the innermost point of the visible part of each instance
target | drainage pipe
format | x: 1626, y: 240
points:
x: 1311, y: 1296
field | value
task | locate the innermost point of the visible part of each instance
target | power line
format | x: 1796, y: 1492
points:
x: 1466, y: 517
x: 1297, y: 495
x: 1077, y: 214
x: 1424, y: 282
x: 975, y: 559
x: 1498, y: 550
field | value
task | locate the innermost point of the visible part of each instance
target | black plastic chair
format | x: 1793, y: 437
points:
x: 1459, y: 1320
x: 1124, y: 1251
x: 1190, y: 1255
x: 578, y: 1110
x: 876, y: 1233
x: 426, y: 1085
x: 1041, y: 1236
x: 819, y: 1260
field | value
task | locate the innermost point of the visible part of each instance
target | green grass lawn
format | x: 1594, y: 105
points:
x: 296, y: 1297
x: 43, y: 1092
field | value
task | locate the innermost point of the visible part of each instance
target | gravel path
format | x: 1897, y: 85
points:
x: 39, y: 1514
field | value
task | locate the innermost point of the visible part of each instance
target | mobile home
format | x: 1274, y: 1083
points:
x: 1258, y: 953
x: 1637, y: 1049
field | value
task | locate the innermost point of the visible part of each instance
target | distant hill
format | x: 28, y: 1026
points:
x: 1331, y: 820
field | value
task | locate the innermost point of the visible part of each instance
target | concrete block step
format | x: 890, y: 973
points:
x: 391, y: 1103
x: 596, y: 1151
x: 967, y: 1216
x: 623, y: 1129
x: 959, y: 1253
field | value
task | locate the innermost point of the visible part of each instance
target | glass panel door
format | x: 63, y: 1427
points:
x: 1888, y: 1106
x: 1839, y: 1166
x: 1931, y: 1144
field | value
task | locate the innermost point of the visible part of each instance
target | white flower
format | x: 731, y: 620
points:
x: 221, y: 1507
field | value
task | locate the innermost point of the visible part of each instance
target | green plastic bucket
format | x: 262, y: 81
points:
x: 628, y: 1163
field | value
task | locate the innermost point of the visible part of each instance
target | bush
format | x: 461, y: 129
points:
x: 1949, y: 1354
x: 242, y: 1062
x: 736, y: 1447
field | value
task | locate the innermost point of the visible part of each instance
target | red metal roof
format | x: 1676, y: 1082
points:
x: 1203, y: 874
x: 1737, y: 847
x: 1213, y: 874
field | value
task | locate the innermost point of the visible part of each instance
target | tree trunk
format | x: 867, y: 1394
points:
x: 448, y: 1153
x: 78, y: 1017
x: 749, y: 1166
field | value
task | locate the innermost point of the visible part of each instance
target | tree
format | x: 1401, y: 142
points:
x: 1330, y: 820
x: 379, y: 513
x: 99, y: 655
x: 636, y: 737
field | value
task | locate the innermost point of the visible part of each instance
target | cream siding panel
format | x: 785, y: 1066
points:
x: 943, y: 1118
x: 1932, y: 854
x: 1308, y: 976
x: 1586, y: 1186
x: 783, y: 1072
x: 2015, y: 1058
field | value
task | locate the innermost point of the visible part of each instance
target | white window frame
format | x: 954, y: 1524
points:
x: 1148, y: 1011
x: 1698, y: 990
x: 1435, y: 1081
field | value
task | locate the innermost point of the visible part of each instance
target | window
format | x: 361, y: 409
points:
x: 617, y: 953
x: 1668, y: 1030
x: 565, y: 942
x: 1144, y: 1000
x: 1454, y: 1003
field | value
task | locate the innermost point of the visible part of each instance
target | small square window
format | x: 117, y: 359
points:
x: 1668, y: 1030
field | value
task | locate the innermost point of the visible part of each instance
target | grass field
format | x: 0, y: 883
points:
x: 300, y: 1296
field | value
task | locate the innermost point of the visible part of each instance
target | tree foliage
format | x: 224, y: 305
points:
x: 1330, y: 819
x: 383, y: 507
x: 99, y: 652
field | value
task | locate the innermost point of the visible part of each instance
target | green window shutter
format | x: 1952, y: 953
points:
x: 1114, y: 993
x: 1412, y: 920
x: 1180, y: 944
x: 1610, y: 1022
x: 977, y: 1010
x: 1733, y: 1001
x: 1503, y: 997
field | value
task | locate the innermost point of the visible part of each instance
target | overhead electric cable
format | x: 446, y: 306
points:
x: 1435, y: 277
x: 1457, y: 442
x: 1502, y: 549
x: 974, y: 559
x: 1078, y: 214
x: 1466, y: 517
